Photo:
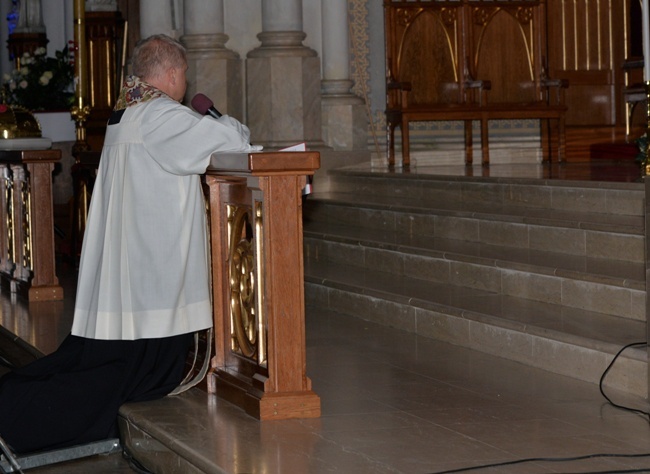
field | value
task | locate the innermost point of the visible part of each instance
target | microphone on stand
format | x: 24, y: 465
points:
x: 203, y: 105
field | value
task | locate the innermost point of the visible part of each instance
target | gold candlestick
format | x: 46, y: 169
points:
x: 81, y: 109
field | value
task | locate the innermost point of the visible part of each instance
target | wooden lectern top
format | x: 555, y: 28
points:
x: 265, y: 163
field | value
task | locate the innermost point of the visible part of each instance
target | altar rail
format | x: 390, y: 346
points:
x: 258, y: 282
x: 27, y: 256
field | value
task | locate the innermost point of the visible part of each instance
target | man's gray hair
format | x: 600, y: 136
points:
x: 155, y: 54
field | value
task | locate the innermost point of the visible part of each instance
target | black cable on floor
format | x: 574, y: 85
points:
x: 579, y: 458
x: 602, y: 379
x: 134, y: 464
x: 576, y: 458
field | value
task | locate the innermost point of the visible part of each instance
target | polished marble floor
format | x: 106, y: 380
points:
x: 392, y: 402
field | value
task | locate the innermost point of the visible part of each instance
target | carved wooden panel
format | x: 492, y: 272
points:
x: 505, y: 42
x: 588, y: 44
x: 428, y: 55
x: 255, y: 210
x: 105, y: 46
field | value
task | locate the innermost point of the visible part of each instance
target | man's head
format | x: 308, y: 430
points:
x: 161, y: 61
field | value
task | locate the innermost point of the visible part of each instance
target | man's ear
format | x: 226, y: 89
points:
x: 171, y: 76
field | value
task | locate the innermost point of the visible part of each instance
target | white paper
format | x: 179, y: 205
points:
x: 297, y: 147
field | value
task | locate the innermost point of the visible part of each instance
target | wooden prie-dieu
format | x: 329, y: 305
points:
x: 255, y: 209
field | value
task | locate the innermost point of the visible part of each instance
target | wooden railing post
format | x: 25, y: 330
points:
x: 255, y: 206
x: 27, y: 256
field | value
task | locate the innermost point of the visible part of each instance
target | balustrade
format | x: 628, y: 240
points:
x: 27, y: 256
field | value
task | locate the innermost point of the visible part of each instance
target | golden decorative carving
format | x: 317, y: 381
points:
x: 405, y: 15
x: 241, y: 273
x: 9, y: 215
x: 524, y: 15
x: 449, y: 16
x: 482, y: 15
x: 27, y: 244
x: 261, y: 319
x: 80, y: 114
x: 27, y: 259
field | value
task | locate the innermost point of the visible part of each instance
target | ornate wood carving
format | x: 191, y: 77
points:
x: 444, y: 56
x: 588, y: 45
x: 257, y: 271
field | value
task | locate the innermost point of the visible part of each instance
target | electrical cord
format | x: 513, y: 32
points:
x: 611, y: 364
x: 579, y: 458
x: 576, y: 458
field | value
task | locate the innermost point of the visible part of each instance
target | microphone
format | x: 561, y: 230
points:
x: 203, y: 105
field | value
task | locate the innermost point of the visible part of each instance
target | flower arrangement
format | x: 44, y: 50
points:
x: 41, y: 82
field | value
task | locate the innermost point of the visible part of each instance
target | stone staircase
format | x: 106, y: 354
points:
x: 550, y: 273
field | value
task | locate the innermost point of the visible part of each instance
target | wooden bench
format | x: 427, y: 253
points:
x: 461, y: 60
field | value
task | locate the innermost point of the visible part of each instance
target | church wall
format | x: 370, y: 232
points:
x: 243, y: 22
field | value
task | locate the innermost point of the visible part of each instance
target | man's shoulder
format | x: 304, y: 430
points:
x: 137, y: 111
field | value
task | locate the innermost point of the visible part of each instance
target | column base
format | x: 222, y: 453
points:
x: 283, y: 91
x: 344, y: 118
x: 215, y: 71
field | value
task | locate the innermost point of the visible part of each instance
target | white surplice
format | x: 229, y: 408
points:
x: 144, y: 270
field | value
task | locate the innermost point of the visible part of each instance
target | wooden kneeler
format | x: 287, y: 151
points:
x: 255, y: 209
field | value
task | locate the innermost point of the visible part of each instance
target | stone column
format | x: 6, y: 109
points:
x: 213, y: 70
x: 283, y: 80
x: 155, y: 18
x: 344, y: 117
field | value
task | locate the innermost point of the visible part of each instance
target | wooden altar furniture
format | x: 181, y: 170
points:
x: 84, y: 172
x: 634, y: 92
x: 470, y: 60
x: 27, y: 258
x: 106, y: 50
x: 255, y: 208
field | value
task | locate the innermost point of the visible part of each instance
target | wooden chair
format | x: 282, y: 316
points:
x: 426, y: 77
x: 634, y: 93
x: 507, y: 42
x: 443, y: 57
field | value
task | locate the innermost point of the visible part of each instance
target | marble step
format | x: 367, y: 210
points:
x: 598, y: 235
x: 607, y: 286
x: 570, y: 341
x: 545, y: 272
x: 463, y: 192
